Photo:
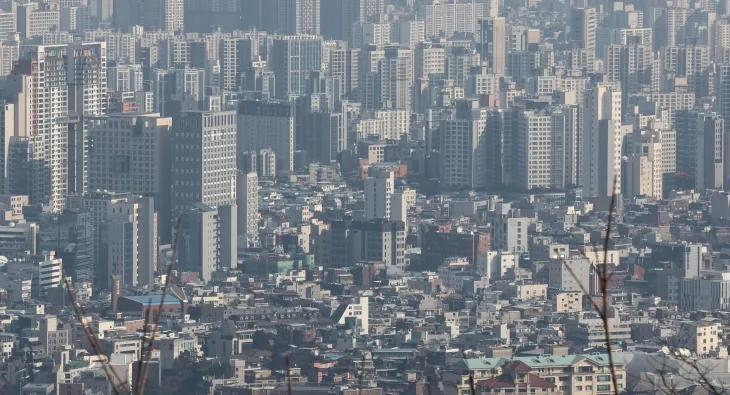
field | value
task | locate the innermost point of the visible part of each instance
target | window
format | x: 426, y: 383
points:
x: 604, y: 387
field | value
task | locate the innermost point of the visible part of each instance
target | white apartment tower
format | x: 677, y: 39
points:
x: 378, y: 195
x: 464, y: 146
x: 545, y: 146
x: 644, y: 170
x: 298, y: 16
x: 583, y: 30
x: 428, y: 59
x: 48, y: 139
x: 247, y: 198
x: 494, y: 44
x: 396, y: 78
x: 601, y: 139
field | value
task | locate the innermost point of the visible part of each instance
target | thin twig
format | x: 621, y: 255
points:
x: 288, y: 375
x: 604, y: 286
x: 603, y: 280
x: 471, y: 376
x: 143, y: 378
x: 93, y: 341
x: 142, y: 346
x: 362, y: 375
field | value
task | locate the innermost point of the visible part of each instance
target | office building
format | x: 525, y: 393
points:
x: 247, y: 200
x: 204, y: 160
x: 34, y: 21
x: 132, y: 153
x: 545, y: 148
x: 708, y: 291
x: 267, y: 125
x: 73, y: 235
x: 236, y: 55
x: 18, y: 238
x: 396, y: 79
x: 8, y: 26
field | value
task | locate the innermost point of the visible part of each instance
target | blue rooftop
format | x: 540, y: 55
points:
x: 156, y: 299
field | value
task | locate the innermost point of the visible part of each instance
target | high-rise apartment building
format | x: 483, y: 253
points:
x: 297, y: 16
x: 203, y: 160
x: 236, y: 55
x: 493, y: 45
x: 247, y: 200
x: 292, y: 60
x: 583, y: 30
x: 601, y: 140
x: 270, y: 125
x: 643, y: 170
x: 446, y: 18
x: 47, y: 90
x: 545, y: 148
x: 463, y: 146
x: 428, y: 58
x: 165, y: 15
x: 125, y: 77
x: 340, y: 15
x: 379, y: 190
x: 396, y: 78
x: 458, y: 64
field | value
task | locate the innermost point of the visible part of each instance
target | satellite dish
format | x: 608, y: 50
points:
x: 685, y: 352
x: 676, y: 353
x: 665, y: 350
